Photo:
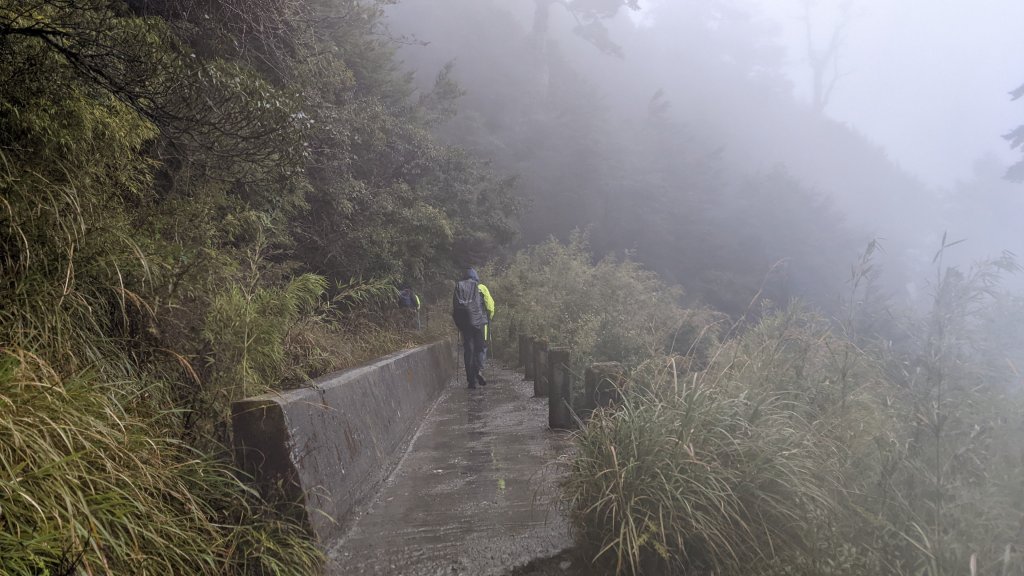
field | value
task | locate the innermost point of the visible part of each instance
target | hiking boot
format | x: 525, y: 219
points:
x: 480, y: 380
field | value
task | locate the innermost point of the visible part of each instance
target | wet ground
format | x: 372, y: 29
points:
x: 475, y: 494
x: 567, y: 563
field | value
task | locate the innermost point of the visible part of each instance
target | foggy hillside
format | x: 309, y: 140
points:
x: 684, y: 117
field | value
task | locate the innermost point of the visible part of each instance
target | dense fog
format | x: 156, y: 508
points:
x: 712, y: 139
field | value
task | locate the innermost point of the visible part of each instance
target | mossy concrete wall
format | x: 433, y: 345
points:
x: 317, y: 451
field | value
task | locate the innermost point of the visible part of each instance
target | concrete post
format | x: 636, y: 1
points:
x: 524, y: 345
x: 540, y: 367
x: 528, y: 366
x: 513, y: 331
x: 601, y: 385
x: 559, y: 389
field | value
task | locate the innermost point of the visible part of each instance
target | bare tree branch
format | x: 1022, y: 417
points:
x: 824, y: 62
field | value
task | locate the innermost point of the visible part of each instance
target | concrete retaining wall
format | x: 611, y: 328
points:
x: 318, y: 451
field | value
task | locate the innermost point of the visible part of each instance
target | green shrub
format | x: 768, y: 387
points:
x: 609, y: 310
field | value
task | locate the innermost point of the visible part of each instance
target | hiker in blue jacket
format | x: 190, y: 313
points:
x: 409, y: 303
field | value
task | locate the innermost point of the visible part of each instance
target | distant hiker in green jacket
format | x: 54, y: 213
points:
x: 472, y: 311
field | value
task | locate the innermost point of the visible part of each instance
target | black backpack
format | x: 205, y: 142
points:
x: 466, y: 305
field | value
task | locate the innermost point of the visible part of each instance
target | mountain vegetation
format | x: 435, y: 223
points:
x: 199, y: 200
x: 202, y: 200
x: 876, y: 441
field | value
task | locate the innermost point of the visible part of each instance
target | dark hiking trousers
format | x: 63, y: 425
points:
x: 473, y: 353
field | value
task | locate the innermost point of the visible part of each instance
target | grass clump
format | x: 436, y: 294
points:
x: 735, y: 469
x: 87, y: 486
x: 691, y: 478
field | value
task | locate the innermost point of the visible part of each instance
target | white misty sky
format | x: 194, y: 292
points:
x: 925, y: 79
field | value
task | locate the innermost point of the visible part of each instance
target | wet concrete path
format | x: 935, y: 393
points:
x: 475, y: 494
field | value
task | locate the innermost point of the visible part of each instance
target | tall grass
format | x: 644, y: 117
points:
x: 87, y: 486
x: 960, y: 479
x: 690, y: 478
x: 735, y: 469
